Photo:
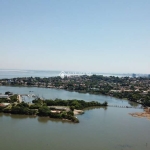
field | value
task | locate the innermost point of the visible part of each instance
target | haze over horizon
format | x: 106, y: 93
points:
x: 71, y: 35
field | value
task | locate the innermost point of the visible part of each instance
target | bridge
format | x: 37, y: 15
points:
x: 124, y: 106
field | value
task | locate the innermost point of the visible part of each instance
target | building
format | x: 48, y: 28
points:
x: 4, y: 96
x: 133, y: 75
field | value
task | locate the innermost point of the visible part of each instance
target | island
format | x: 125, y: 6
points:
x: 58, y: 108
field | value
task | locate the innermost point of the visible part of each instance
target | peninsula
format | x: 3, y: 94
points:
x: 58, y: 108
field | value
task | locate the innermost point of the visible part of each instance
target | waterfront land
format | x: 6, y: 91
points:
x: 133, y: 89
x: 58, y: 108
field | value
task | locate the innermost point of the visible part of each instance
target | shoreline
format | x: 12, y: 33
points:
x: 73, y: 91
x: 145, y: 114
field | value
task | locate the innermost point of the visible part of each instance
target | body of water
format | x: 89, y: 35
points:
x: 106, y: 129
x: 48, y: 93
x: 43, y: 73
x: 26, y: 73
x: 111, y: 128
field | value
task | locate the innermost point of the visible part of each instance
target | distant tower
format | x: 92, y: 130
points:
x: 133, y: 75
x: 149, y: 76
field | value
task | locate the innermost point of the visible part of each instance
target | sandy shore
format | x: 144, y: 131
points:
x: 145, y: 114
x: 76, y: 112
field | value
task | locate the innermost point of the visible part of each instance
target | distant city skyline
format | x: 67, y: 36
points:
x: 87, y: 36
x: 74, y: 72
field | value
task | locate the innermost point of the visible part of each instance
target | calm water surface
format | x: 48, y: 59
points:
x: 48, y: 93
x: 99, y: 129
x: 26, y: 73
x: 8, y: 73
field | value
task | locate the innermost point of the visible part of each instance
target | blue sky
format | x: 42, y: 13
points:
x: 111, y: 36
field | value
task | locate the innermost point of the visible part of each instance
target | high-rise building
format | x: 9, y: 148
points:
x: 133, y: 75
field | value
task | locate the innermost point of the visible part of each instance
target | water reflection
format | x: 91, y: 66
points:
x: 133, y: 104
x: 16, y: 116
x: 95, y: 107
x: 47, y: 119
x: 40, y: 119
x: 5, y: 114
x: 60, y: 120
x: 19, y: 116
x: 1, y: 114
x: 43, y: 119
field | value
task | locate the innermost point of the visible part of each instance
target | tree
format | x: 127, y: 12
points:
x: 72, y: 108
x: 44, y: 111
x: 70, y: 113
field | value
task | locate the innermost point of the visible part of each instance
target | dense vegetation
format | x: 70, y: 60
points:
x: 21, y: 108
x: 4, y: 100
x: 42, y: 108
x: 134, y: 96
x: 76, y: 104
x: 146, y: 100
x: 11, y: 99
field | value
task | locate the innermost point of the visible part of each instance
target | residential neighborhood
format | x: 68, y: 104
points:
x: 132, y: 88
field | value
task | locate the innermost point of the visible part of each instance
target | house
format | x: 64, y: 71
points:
x: 4, y: 96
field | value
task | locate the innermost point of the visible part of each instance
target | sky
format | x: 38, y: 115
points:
x: 109, y: 36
